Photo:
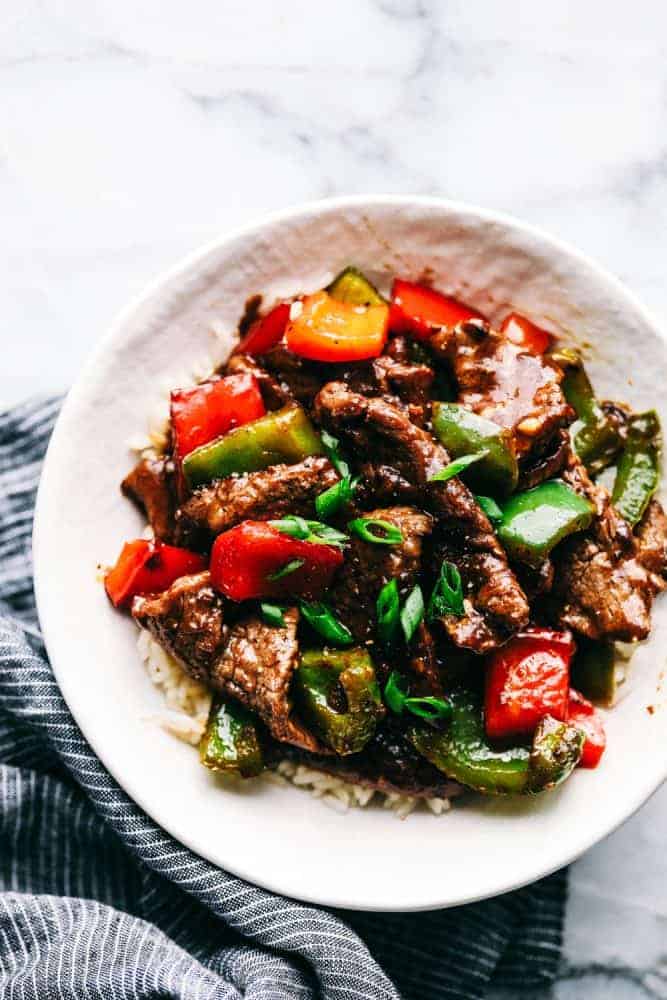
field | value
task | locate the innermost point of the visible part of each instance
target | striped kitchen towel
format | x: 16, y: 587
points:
x: 97, y: 901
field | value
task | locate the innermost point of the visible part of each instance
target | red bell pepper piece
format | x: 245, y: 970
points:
x: 421, y: 311
x: 326, y: 329
x: 246, y: 560
x: 525, y: 334
x: 527, y: 679
x: 211, y: 409
x: 265, y: 332
x: 145, y: 567
x: 584, y: 716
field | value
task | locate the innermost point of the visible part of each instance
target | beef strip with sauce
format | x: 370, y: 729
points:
x: 149, y: 486
x: 256, y: 667
x: 250, y: 661
x: 257, y: 496
x: 606, y: 578
x: 187, y: 619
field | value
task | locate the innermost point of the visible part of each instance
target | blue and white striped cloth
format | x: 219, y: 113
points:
x: 96, y: 901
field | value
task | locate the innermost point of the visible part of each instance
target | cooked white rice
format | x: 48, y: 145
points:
x: 187, y: 707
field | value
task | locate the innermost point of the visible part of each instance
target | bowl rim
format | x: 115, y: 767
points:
x: 639, y: 794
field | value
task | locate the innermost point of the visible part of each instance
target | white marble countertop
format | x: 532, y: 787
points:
x: 132, y: 132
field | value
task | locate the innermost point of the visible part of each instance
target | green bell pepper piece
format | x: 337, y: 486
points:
x: 555, y: 752
x: 231, y: 742
x: 595, y: 436
x: 285, y: 435
x: 463, y: 753
x: 593, y: 670
x: 465, y: 433
x: 536, y: 520
x: 353, y: 287
x: 638, y: 472
x: 337, y: 693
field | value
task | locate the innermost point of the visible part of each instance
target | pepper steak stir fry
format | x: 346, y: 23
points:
x: 379, y: 539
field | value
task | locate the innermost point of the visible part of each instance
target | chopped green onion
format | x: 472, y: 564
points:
x: 412, y: 613
x: 325, y: 534
x: 429, y: 707
x: 490, y: 508
x: 395, y: 692
x: 296, y: 527
x: 285, y: 570
x: 309, y: 531
x: 366, y: 528
x: 331, y: 444
x: 329, y: 503
x: 457, y: 466
x: 273, y: 614
x: 388, y: 608
x: 447, y: 596
x: 321, y: 618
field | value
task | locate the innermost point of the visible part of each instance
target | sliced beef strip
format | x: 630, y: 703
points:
x: 547, y: 464
x: 149, y: 486
x: 424, y: 673
x: 411, y: 383
x: 274, y: 395
x: 259, y: 496
x: 299, y: 378
x: 380, y: 428
x: 651, y: 536
x: 388, y: 764
x: 605, y: 578
x: 501, y: 381
x: 256, y: 667
x: 536, y: 581
x: 249, y: 661
x: 368, y: 567
x: 495, y: 603
x: 382, y: 485
x: 188, y: 621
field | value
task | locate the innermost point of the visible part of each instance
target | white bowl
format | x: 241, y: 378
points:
x: 283, y: 838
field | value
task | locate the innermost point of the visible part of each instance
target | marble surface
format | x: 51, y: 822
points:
x: 131, y: 133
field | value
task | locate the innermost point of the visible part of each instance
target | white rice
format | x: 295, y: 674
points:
x: 187, y: 706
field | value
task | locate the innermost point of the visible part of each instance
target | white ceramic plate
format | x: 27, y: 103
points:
x: 283, y: 838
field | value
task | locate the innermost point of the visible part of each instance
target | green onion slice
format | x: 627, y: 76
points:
x: 412, y: 613
x: 388, y: 611
x: 321, y: 618
x: 429, y: 707
x: 447, y: 596
x: 273, y: 614
x: 490, y: 508
x: 395, y: 692
x: 331, y: 445
x: 329, y: 503
x: 309, y: 531
x: 285, y: 570
x: 457, y: 466
x: 373, y: 529
x: 296, y: 527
